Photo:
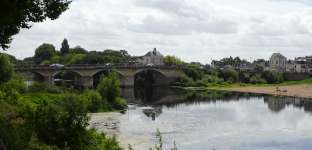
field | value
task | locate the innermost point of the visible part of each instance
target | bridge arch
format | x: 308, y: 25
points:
x: 97, y: 71
x: 75, y: 73
x: 159, y: 77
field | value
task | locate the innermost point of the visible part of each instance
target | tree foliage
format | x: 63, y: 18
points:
x: 193, y: 73
x: 44, y: 52
x: 65, y: 47
x: 109, y: 86
x: 6, y: 68
x: 173, y: 60
x: 21, y: 14
x: 227, y: 73
x: 272, y: 78
x: 258, y: 68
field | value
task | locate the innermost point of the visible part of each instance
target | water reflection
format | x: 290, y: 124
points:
x: 219, y: 119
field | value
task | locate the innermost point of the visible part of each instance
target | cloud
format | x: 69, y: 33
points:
x: 196, y: 30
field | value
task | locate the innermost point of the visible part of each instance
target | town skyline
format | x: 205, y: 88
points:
x: 185, y: 29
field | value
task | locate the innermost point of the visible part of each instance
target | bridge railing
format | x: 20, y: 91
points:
x: 95, y: 66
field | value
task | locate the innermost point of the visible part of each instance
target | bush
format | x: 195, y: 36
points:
x: 227, y: 73
x: 176, y: 84
x: 229, y: 82
x: 253, y: 80
x: 224, y: 83
x: 246, y: 80
x: 231, y: 79
x: 272, y: 78
x: 55, y: 125
x: 6, y: 69
x: 95, y: 100
x: 120, y: 104
x: 212, y: 72
x: 193, y: 73
x: 220, y: 81
x: 200, y: 83
x: 261, y: 81
x: 16, y: 84
x: 280, y: 78
x: 109, y: 87
x: 191, y: 83
x: 184, y: 78
x: 42, y: 87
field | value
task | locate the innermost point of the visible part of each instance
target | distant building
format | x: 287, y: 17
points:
x: 215, y: 64
x: 154, y: 57
x: 277, y: 62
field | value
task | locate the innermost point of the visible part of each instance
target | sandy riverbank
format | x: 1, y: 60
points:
x: 294, y: 90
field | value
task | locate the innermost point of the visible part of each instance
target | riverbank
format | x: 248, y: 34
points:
x: 303, y: 90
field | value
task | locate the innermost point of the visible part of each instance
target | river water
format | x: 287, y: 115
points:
x: 209, y: 119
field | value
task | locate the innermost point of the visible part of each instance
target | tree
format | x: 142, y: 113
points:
x: 280, y: 78
x: 258, y: 68
x: 21, y: 14
x: 193, y: 73
x: 272, y: 78
x: 6, y: 68
x: 78, y: 50
x: 44, y: 52
x: 227, y: 73
x: 125, y: 55
x: 65, y: 47
x: 237, y: 59
x: 109, y: 86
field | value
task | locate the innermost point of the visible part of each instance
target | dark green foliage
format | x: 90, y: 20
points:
x: 119, y: 104
x: 258, y: 68
x: 200, y: 83
x: 16, y: 84
x: 56, y: 124
x: 212, y: 71
x: 42, y: 87
x: 13, y: 135
x: 21, y: 14
x: 246, y: 80
x: 226, y: 73
x: 253, y: 80
x: 44, y: 52
x: 143, y: 78
x: 109, y: 86
x: 78, y: 50
x: 193, y: 73
x: 272, y: 79
x: 280, y: 78
x: 230, y: 80
x: 261, y: 81
x: 98, y: 104
x: 65, y: 47
x: 6, y: 68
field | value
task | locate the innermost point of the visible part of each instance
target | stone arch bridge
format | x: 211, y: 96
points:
x: 84, y: 75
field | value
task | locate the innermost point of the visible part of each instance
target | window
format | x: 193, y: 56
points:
x: 276, y: 62
x: 147, y: 60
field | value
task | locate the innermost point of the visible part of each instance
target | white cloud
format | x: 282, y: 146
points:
x: 195, y: 30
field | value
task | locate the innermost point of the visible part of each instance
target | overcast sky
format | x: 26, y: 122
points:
x: 194, y: 30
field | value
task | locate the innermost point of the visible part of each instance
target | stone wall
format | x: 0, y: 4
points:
x: 297, y: 77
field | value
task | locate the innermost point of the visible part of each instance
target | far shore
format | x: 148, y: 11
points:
x: 298, y: 90
x: 302, y: 90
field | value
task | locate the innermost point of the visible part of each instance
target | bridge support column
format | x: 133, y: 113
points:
x: 127, y: 81
x: 83, y: 81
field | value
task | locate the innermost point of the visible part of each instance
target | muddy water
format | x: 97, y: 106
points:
x: 209, y: 119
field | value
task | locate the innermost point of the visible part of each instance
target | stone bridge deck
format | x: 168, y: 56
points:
x: 84, y: 74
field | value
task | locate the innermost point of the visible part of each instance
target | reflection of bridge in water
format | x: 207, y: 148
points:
x: 84, y: 74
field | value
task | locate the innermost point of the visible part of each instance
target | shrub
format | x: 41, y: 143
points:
x: 120, y: 104
x: 253, y: 80
x: 16, y: 84
x: 191, y: 83
x: 272, y: 78
x: 280, y: 78
x: 212, y: 71
x: 176, y: 84
x: 109, y: 87
x: 261, y: 81
x: 227, y: 73
x: 6, y: 69
x: 220, y: 81
x: 55, y: 125
x: 184, y: 78
x: 229, y: 82
x: 224, y: 83
x: 246, y: 80
x: 193, y: 73
x: 200, y: 83
x: 231, y: 79
x: 95, y: 100
x: 42, y: 87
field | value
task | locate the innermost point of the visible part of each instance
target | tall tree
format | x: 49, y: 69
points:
x: 21, y: 14
x: 6, y: 69
x: 44, y: 52
x: 65, y: 47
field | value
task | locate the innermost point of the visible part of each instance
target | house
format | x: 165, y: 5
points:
x: 277, y: 62
x: 215, y: 64
x: 154, y: 57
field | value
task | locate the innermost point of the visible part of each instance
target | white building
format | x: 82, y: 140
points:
x: 277, y: 62
x: 154, y: 57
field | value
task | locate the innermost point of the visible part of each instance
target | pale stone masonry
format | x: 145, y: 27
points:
x: 153, y: 57
x: 277, y: 62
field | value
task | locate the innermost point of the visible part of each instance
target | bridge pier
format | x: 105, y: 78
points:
x: 127, y: 81
x: 83, y: 81
x: 47, y: 79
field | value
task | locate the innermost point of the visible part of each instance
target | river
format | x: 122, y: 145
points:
x: 209, y: 119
